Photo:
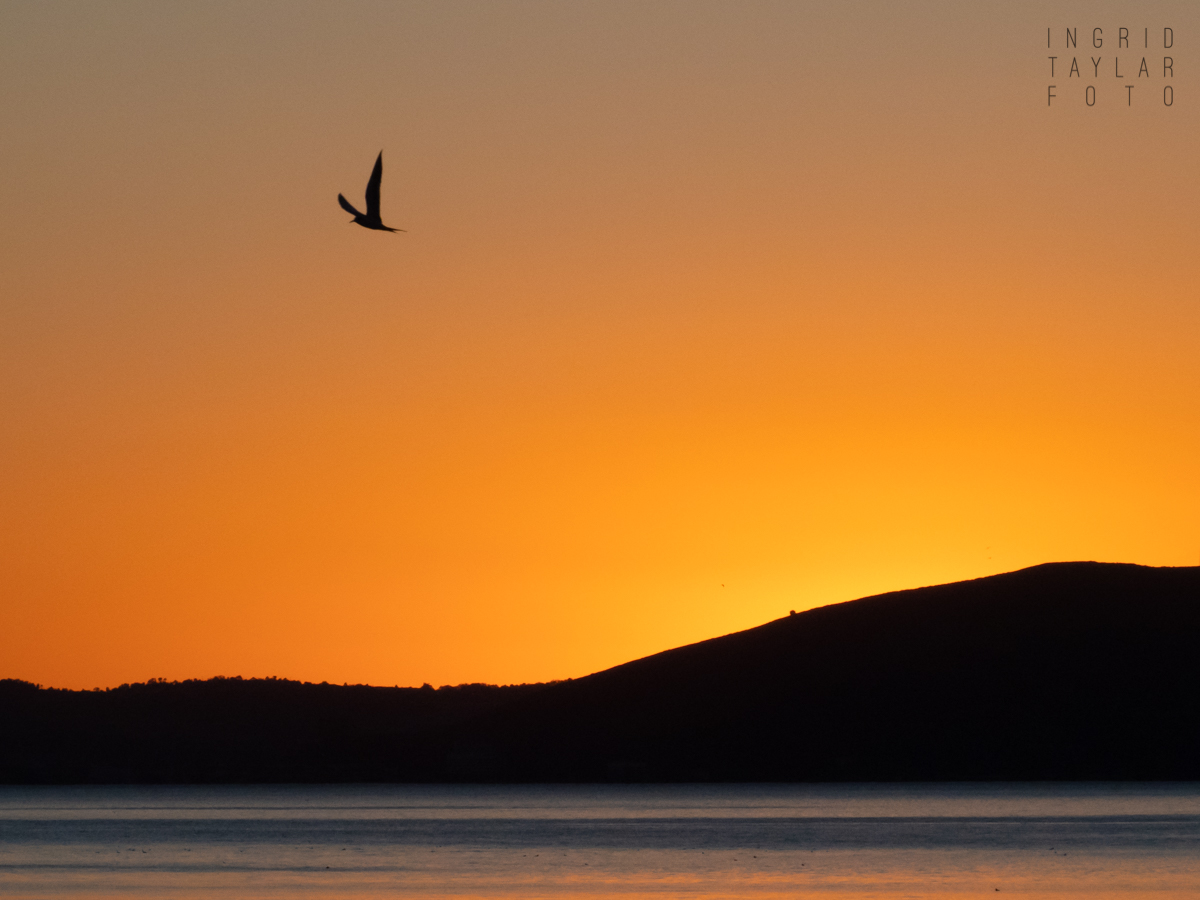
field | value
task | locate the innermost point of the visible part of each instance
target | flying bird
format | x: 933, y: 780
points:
x: 370, y: 219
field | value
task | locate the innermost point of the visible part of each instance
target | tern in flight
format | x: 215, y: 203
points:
x: 370, y: 219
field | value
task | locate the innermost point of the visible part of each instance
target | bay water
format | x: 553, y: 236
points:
x: 596, y: 841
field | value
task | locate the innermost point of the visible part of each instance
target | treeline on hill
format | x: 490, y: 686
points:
x: 1064, y: 671
x: 235, y: 730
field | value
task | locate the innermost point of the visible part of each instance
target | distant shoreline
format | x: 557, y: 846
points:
x: 1061, y: 672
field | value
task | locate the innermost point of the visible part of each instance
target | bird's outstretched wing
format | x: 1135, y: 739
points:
x: 347, y: 207
x: 373, y: 188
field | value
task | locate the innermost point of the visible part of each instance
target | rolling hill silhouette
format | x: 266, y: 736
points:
x: 1062, y: 671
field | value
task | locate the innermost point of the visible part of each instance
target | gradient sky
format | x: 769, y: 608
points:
x: 705, y: 312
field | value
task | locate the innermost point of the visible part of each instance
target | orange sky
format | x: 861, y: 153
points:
x: 705, y: 312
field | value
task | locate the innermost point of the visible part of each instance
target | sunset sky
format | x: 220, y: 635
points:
x: 705, y: 312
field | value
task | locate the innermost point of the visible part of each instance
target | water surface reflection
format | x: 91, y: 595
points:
x: 597, y: 841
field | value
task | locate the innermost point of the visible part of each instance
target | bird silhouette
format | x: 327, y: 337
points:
x: 370, y: 219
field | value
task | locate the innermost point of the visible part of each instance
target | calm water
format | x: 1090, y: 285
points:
x: 860, y: 841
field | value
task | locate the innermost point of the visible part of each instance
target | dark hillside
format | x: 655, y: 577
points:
x: 1061, y: 671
